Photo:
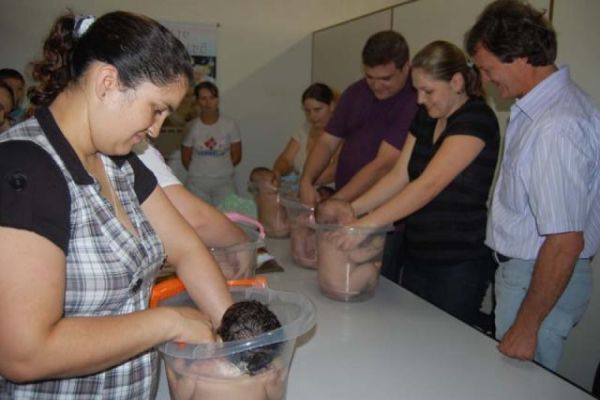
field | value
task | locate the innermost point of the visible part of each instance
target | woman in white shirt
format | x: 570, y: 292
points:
x: 211, y: 148
x: 318, y: 102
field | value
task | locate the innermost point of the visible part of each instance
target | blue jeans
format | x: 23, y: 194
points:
x: 457, y: 289
x: 512, y: 282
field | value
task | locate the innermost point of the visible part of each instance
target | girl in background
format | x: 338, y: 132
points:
x: 211, y: 148
x: 318, y: 103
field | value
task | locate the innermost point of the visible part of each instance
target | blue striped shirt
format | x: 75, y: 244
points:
x: 549, y: 180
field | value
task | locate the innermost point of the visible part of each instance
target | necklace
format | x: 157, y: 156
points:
x: 110, y: 195
x: 120, y: 213
x: 113, y: 199
x: 106, y: 188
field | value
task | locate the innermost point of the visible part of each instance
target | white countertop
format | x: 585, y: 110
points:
x: 396, y: 345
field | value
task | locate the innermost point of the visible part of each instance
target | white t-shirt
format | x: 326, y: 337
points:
x: 211, y: 147
x: 301, y: 136
x: 152, y: 159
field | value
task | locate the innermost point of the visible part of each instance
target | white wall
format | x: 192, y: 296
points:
x: 576, y: 24
x: 337, y: 51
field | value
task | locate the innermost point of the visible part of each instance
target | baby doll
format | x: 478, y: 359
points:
x: 345, y: 274
x: 253, y: 374
x: 303, y: 240
x: 246, y: 320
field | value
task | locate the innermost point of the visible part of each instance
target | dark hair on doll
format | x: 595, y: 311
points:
x: 246, y: 320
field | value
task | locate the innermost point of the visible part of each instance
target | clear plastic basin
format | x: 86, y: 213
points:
x: 209, y: 371
x: 303, y: 240
x: 270, y: 212
x: 239, y: 261
x: 349, y: 274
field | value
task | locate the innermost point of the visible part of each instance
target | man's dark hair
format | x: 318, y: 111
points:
x: 510, y: 29
x: 385, y: 47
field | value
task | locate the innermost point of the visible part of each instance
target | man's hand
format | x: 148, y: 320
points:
x: 520, y: 341
x: 552, y: 272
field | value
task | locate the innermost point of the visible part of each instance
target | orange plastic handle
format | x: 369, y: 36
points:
x: 173, y: 286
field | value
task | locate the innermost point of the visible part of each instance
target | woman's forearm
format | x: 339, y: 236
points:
x: 455, y: 154
x: 193, y: 263
x: 382, y: 191
x: 204, y: 282
x: 411, y: 198
x: 212, y: 226
x: 282, y: 166
x: 285, y: 161
x: 85, y: 345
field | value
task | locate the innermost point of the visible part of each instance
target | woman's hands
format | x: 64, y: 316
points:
x: 190, y: 325
x: 339, y: 212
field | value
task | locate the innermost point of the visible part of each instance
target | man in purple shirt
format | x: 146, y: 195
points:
x: 372, y: 118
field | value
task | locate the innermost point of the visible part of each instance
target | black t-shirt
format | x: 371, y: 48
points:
x: 451, y: 228
x: 34, y: 194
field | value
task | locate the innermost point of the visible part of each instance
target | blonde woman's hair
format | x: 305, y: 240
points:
x: 441, y: 60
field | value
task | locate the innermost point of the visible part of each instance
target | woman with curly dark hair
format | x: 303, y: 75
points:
x: 84, y: 226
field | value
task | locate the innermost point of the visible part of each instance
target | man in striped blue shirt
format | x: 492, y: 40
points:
x: 544, y: 222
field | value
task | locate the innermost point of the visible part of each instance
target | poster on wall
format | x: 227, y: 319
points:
x: 200, y: 40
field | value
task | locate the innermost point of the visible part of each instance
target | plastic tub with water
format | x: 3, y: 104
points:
x: 239, y: 261
x: 349, y: 274
x: 269, y: 209
x: 214, y: 371
x: 303, y: 241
